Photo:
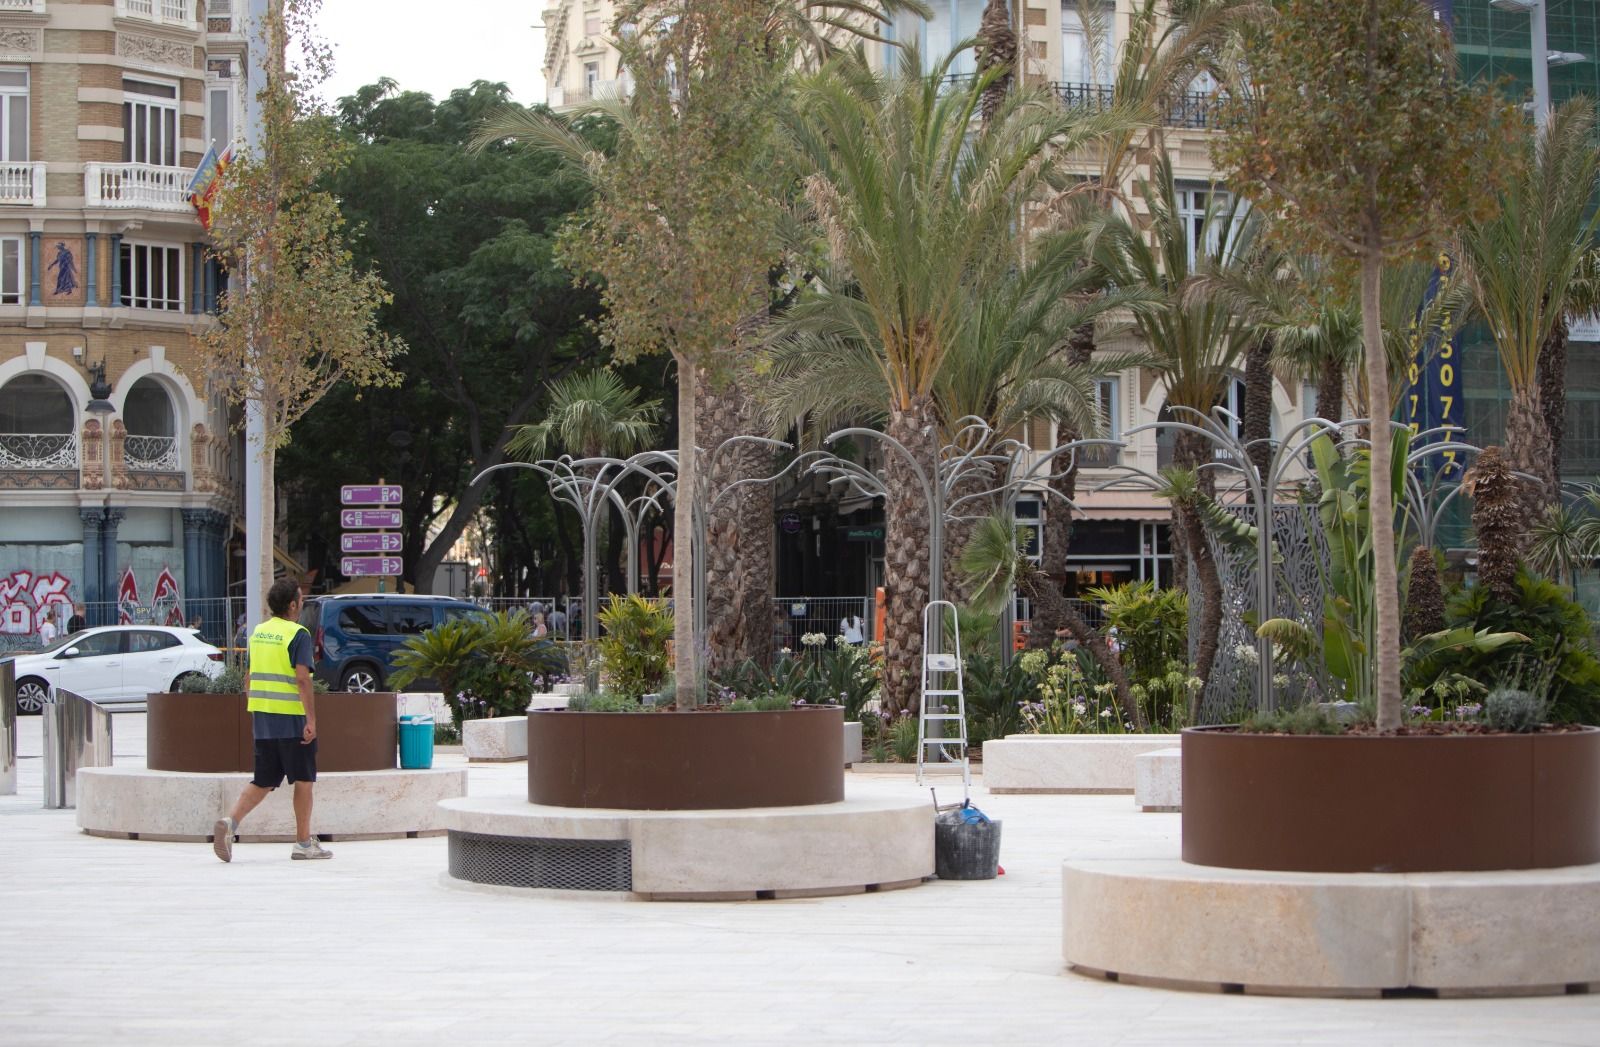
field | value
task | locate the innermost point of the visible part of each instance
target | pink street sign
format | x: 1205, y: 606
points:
x: 369, y: 518
x: 354, y: 566
x: 365, y: 542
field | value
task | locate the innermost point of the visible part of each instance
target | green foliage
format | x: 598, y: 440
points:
x: 827, y: 674
x: 1152, y: 624
x: 1558, y: 633
x: 440, y: 654
x: 591, y: 414
x: 604, y: 702
x: 903, y: 739
x: 994, y: 694
x: 1301, y: 719
x: 633, y: 651
x: 231, y: 680
x: 741, y: 705
x: 773, y: 703
x: 1515, y: 711
x: 483, y: 663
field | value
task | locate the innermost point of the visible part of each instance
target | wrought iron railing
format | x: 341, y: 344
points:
x: 1193, y: 109
x: 48, y: 451
x: 136, y: 185
x: 152, y: 454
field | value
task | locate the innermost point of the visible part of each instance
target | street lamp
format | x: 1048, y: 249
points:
x: 1542, y: 58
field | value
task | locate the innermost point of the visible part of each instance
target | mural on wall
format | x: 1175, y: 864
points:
x: 128, y: 598
x: 166, y: 600
x: 63, y: 271
x: 26, y: 598
x: 166, y: 603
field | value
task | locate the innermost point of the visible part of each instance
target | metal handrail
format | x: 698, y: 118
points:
x: 8, y: 729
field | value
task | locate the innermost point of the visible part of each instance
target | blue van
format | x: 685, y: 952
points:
x: 356, y: 636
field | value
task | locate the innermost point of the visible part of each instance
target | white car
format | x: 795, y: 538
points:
x: 115, y: 665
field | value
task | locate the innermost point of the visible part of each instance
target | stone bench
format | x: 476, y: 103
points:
x: 497, y: 740
x: 1067, y: 763
x: 1158, y: 780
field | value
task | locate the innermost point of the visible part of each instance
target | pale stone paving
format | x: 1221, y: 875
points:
x: 107, y: 941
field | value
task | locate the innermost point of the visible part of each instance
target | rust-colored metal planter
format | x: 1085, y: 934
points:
x: 670, y: 761
x: 1398, y: 803
x: 210, y: 733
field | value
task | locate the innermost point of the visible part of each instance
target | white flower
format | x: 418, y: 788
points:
x: 1105, y: 714
x: 814, y: 639
x: 1079, y: 708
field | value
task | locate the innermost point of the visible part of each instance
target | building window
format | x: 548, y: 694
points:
x: 11, y: 275
x: 952, y: 21
x: 152, y: 277
x: 591, y: 25
x: 14, y: 115
x: 1206, y: 212
x: 150, y: 123
x: 1086, y: 49
x: 1106, y: 390
x: 591, y: 77
x: 219, y: 115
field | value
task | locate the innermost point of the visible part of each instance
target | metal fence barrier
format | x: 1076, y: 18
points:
x: 77, y: 734
x: 8, y: 729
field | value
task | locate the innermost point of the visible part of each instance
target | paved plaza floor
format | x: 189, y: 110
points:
x: 134, y: 942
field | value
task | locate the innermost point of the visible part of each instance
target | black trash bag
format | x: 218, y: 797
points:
x: 966, y: 845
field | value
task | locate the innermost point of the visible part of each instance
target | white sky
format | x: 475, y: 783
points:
x: 435, y: 47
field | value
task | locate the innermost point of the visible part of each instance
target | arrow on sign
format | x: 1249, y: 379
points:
x: 366, y: 542
x: 355, y: 566
x: 374, y: 518
x: 371, y: 494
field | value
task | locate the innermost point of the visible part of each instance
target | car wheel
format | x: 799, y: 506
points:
x: 362, y: 679
x: 33, y: 694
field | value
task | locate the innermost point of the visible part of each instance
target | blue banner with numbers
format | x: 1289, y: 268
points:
x: 1432, y: 394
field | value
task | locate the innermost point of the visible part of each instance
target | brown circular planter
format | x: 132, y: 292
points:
x: 210, y: 733
x: 1374, y: 803
x: 672, y: 761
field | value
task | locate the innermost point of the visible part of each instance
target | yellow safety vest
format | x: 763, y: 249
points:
x: 273, y: 686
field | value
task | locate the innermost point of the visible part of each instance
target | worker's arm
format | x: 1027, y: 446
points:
x: 302, y: 677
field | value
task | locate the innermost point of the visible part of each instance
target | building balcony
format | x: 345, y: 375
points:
x: 21, y: 183
x: 151, y: 454
x: 31, y: 7
x: 179, y: 14
x: 595, y: 91
x: 1190, y: 109
x: 148, y: 186
x: 39, y: 461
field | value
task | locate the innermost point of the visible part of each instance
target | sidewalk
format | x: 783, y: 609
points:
x: 107, y: 941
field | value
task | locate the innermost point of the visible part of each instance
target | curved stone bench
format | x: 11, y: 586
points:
x: 1167, y: 922
x: 1158, y: 780
x: 136, y: 803
x: 849, y: 847
x: 1067, y: 763
x: 211, y: 733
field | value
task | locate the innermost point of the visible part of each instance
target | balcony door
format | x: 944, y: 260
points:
x: 150, y: 123
x: 14, y: 115
x: 1086, y: 48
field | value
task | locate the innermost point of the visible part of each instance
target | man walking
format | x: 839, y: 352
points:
x: 283, y: 712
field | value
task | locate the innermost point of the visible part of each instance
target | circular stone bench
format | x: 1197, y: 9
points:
x: 1067, y: 763
x: 1169, y: 923
x: 1158, y: 780
x: 703, y: 855
x: 133, y: 803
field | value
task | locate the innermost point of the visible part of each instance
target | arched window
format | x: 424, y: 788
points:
x: 152, y: 442
x: 37, y: 424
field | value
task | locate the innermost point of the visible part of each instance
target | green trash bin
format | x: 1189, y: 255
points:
x: 416, y: 743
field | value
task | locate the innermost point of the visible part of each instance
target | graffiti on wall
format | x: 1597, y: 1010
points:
x: 26, y: 598
x: 166, y: 600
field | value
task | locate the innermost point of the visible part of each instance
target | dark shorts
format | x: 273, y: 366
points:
x: 280, y: 758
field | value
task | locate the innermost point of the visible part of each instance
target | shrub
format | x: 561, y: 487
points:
x: 633, y: 651
x: 1302, y: 719
x: 483, y: 664
x: 608, y: 702
x: 1514, y: 711
x: 231, y: 680
x: 903, y: 738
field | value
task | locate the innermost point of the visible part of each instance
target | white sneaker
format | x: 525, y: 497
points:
x: 303, y: 852
x: 222, y: 838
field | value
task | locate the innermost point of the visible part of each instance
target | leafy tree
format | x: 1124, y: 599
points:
x: 298, y: 317
x: 1358, y: 135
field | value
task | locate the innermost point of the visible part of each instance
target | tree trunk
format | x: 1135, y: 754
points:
x: 1256, y: 425
x: 685, y: 658
x: 1190, y: 451
x: 1057, y: 538
x: 1386, y: 591
x: 906, y: 553
x: 1424, y: 596
x: 1208, y: 623
x: 997, y: 48
x: 269, y: 526
x: 1553, y: 400
x: 958, y: 531
x: 1043, y: 593
x: 1527, y: 447
x: 1330, y: 389
x: 738, y: 531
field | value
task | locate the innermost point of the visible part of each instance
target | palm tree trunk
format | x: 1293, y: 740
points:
x: 1330, y: 389
x: 1036, y: 587
x: 1553, y: 399
x: 958, y: 532
x: 685, y: 658
x: 1057, y: 538
x: 997, y: 48
x: 738, y: 531
x: 1208, y: 623
x: 1256, y: 425
x: 1385, y: 576
x: 1528, y: 447
x: 906, y: 565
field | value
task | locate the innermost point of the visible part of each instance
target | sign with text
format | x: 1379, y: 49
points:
x: 356, y: 566
x: 1432, y: 394
x: 363, y: 542
x: 369, y: 518
x: 371, y: 494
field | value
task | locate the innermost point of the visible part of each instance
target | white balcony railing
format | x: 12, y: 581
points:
x: 596, y: 91
x: 50, y: 451
x: 21, y: 183
x: 164, y: 12
x: 151, y: 454
x: 136, y: 185
x: 31, y: 6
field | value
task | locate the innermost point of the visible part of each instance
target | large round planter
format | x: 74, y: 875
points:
x: 1396, y: 803
x: 670, y: 761
x: 210, y: 733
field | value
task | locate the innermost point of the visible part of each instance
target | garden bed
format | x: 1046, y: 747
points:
x: 1412, y: 802
x: 211, y: 733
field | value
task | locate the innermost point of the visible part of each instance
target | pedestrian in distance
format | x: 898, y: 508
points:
x: 540, y: 630
x: 558, y: 621
x: 47, y: 628
x: 853, y: 630
x: 77, y: 623
x: 283, y: 714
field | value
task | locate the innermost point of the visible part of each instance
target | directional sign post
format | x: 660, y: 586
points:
x: 363, y: 521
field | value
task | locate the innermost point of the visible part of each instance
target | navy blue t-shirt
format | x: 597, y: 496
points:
x: 284, y: 725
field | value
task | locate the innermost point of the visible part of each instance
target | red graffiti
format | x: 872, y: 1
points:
x: 26, y: 599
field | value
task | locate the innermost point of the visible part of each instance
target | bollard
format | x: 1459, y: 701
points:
x: 8, y: 729
x: 77, y: 733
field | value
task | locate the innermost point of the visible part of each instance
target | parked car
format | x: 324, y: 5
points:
x: 356, y: 637
x: 114, y: 665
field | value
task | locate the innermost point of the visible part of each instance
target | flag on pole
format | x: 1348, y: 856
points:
x: 207, y: 182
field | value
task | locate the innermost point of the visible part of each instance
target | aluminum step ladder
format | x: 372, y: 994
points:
x: 949, y: 749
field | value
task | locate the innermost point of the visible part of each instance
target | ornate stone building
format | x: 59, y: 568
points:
x: 117, y: 480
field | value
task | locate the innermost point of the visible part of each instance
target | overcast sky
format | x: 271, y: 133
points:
x: 435, y: 47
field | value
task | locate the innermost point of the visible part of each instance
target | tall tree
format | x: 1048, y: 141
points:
x: 1358, y: 134
x: 1522, y: 260
x: 298, y: 317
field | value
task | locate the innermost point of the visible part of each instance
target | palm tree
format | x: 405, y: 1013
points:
x: 1522, y: 262
x: 1583, y: 299
x: 918, y: 206
x: 592, y: 413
